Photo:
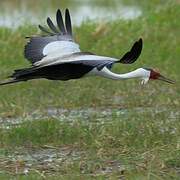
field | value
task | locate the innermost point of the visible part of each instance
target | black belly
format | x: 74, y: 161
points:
x: 55, y: 72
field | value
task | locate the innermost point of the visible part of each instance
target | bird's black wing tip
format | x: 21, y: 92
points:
x: 60, y: 22
x: 52, y: 26
x: 140, y: 41
x: 62, y: 28
x: 68, y: 22
x: 67, y: 10
x: 132, y: 55
x: 43, y: 29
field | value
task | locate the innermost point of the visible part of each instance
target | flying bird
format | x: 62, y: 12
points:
x: 56, y: 56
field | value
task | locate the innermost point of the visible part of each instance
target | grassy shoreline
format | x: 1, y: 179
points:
x: 143, y: 145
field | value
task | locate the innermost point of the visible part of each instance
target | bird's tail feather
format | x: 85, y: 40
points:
x: 10, y: 81
x: 18, y: 76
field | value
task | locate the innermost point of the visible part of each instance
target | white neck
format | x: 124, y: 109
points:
x: 138, y: 73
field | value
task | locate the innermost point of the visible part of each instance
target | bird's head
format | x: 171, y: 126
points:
x: 152, y: 74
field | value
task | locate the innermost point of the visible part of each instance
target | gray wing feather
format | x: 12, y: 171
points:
x: 45, y: 30
x: 34, y: 48
x: 99, y: 64
x: 68, y: 23
x: 60, y: 22
x: 52, y: 26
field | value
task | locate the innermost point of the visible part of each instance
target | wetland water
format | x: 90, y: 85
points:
x: 16, y: 13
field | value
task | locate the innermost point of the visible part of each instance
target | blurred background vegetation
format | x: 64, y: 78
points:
x: 96, y: 128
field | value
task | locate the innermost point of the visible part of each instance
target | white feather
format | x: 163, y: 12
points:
x: 55, y: 58
x: 105, y: 72
x: 56, y: 50
x: 64, y: 47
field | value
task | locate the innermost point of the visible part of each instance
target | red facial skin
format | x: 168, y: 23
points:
x: 154, y: 75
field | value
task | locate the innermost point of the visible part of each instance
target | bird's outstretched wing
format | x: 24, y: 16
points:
x: 132, y: 55
x: 59, y: 40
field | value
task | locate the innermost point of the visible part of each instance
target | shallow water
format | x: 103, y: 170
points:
x: 16, y: 13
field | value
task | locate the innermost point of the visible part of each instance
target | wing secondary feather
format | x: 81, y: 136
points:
x: 54, y: 59
x: 59, y: 40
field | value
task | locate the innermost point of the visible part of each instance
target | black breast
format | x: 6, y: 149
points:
x: 63, y: 71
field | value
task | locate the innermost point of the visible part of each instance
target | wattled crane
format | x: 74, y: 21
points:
x: 56, y: 56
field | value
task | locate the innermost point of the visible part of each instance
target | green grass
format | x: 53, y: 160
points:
x: 145, y: 144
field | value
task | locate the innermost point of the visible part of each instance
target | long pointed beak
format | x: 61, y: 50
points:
x: 162, y: 78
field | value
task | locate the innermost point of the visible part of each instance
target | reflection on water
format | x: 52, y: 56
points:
x: 18, y: 12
